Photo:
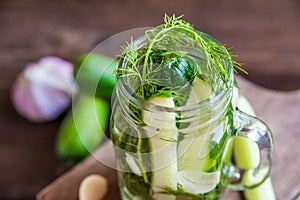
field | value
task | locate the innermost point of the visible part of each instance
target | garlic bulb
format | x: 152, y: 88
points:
x: 44, y: 89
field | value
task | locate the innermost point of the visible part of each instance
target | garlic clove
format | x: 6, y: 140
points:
x: 50, y: 109
x: 23, y: 100
x: 93, y: 187
x: 44, y: 89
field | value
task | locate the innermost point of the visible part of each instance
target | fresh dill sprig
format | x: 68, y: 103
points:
x: 172, y: 39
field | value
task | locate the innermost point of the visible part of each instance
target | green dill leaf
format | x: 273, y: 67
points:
x: 165, y: 60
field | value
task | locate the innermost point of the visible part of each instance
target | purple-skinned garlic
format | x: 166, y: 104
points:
x: 43, y: 90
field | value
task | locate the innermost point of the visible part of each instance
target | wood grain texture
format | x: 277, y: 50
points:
x: 280, y: 110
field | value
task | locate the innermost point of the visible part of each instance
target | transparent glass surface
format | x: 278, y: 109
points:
x: 165, y: 151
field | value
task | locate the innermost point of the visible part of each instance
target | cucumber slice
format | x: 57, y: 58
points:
x: 197, y: 182
x: 200, y: 91
x: 251, y: 177
x: 195, y: 144
x: 250, y: 159
x: 262, y: 192
x: 194, y: 149
x: 246, y: 153
x: 164, y: 146
x: 194, y: 152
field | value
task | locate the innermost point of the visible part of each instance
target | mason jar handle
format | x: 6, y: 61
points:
x: 250, y: 150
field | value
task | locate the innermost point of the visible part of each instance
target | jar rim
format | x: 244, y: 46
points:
x: 141, y: 103
x: 217, y: 98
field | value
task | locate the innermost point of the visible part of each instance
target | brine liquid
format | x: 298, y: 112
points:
x: 136, y: 181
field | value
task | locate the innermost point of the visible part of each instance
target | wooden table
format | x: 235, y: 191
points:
x: 265, y: 33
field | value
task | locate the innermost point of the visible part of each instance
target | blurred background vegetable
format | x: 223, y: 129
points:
x: 94, y: 75
x: 43, y: 90
x: 83, y: 128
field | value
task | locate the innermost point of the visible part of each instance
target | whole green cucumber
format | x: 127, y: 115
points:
x: 94, y: 73
x: 83, y: 128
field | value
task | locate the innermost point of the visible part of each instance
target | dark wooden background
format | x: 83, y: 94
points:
x: 265, y: 33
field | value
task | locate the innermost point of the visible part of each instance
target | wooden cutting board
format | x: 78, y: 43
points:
x: 280, y: 110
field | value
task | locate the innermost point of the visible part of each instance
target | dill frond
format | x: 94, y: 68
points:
x: 173, y: 40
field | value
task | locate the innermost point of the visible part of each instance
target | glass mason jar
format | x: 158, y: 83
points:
x: 185, y: 152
